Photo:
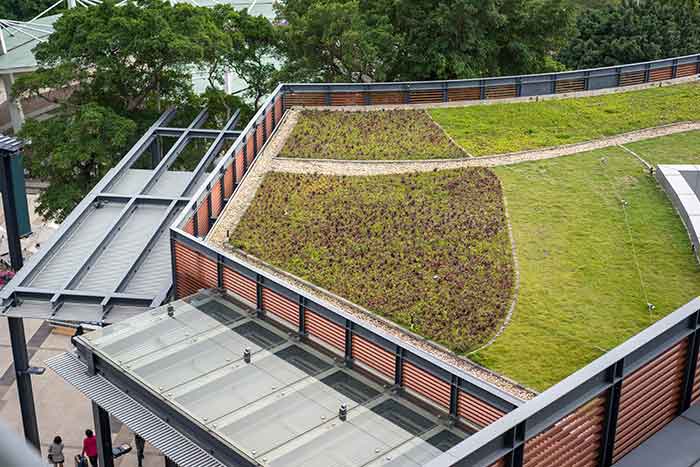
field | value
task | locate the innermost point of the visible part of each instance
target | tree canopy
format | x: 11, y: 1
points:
x: 366, y: 40
x: 24, y: 10
x: 633, y: 31
x: 123, y: 66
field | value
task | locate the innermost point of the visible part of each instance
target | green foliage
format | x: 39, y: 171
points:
x: 501, y: 128
x: 394, y: 134
x: 329, y: 40
x: 633, y: 31
x: 24, y: 10
x: 81, y: 147
x: 361, y: 40
x: 248, y: 51
x: 131, y: 61
x: 580, y: 290
x: 123, y: 56
x: 429, y: 251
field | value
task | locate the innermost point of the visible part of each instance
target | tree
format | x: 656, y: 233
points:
x: 123, y: 57
x: 251, y: 58
x: 634, y: 31
x: 81, y: 147
x: 331, y: 40
x: 24, y: 10
x: 125, y: 64
x: 365, y: 40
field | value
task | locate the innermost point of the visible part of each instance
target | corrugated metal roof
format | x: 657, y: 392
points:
x: 140, y: 420
x: 9, y: 144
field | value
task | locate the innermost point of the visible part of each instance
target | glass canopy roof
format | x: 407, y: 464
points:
x: 268, y: 395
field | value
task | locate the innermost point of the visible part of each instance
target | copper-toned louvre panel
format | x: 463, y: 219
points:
x: 476, y: 411
x: 427, y: 96
x: 501, y: 92
x: 427, y: 385
x: 240, y: 285
x: 630, y: 79
x: 388, y: 97
x: 464, y: 94
x: 228, y: 181
x: 268, y: 122
x: 696, y: 384
x: 193, y: 271
x: 281, y: 307
x: 189, y: 226
x: 250, y: 152
x: 650, y: 399
x: 305, y: 99
x: 259, y: 134
x: 240, y: 165
x: 499, y: 463
x: 325, y: 330
x: 687, y: 69
x: 216, y: 198
x: 347, y: 98
x: 203, y: 219
x: 573, y: 441
x: 278, y: 108
x: 661, y: 74
x: 373, y: 356
x: 570, y: 85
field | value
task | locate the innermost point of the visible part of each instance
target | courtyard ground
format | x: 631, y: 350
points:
x: 61, y: 409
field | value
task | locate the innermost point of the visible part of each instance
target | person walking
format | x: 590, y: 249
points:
x: 140, y: 447
x: 56, y: 452
x: 90, y: 447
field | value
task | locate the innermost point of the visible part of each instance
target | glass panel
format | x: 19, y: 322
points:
x: 270, y: 397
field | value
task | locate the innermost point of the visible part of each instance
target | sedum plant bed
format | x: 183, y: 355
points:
x: 428, y: 251
x: 373, y: 135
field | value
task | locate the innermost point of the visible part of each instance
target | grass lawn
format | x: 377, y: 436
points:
x: 581, y: 293
x: 429, y: 251
x: 683, y: 148
x: 388, y: 134
x: 501, y: 128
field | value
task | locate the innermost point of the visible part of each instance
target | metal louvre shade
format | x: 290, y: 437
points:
x: 157, y: 432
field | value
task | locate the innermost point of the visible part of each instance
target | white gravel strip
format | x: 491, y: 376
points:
x: 239, y: 202
x: 359, y: 168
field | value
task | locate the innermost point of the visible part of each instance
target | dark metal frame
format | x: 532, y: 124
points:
x: 15, y: 291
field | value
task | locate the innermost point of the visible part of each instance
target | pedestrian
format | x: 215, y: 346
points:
x: 56, y: 452
x: 140, y: 446
x: 90, y: 447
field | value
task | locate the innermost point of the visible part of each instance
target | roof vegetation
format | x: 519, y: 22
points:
x: 390, y: 134
x: 429, y: 251
x: 589, y: 262
x: 501, y: 128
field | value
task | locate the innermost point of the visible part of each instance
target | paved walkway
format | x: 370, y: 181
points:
x: 359, y: 168
x: 676, y: 445
x: 61, y: 410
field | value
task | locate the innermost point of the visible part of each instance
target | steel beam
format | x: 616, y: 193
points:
x: 196, y: 132
x: 24, y: 382
x: 103, y: 433
x: 148, y: 198
x: 174, y: 152
x: 211, y: 153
